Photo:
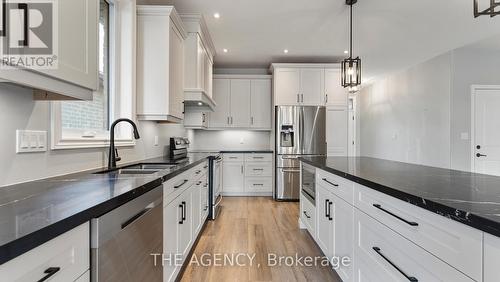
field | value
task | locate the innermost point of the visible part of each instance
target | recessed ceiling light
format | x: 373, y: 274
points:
x: 285, y: 51
x: 346, y: 52
x: 200, y: 104
x: 225, y: 50
x: 216, y: 15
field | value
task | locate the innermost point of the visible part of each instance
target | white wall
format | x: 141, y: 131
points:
x: 471, y: 66
x: 406, y: 116
x: 208, y: 140
x: 419, y: 114
x: 19, y: 111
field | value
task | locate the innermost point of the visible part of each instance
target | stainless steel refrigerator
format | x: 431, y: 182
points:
x: 300, y: 130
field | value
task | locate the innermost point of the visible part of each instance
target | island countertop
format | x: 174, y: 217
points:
x: 34, y: 212
x: 469, y: 198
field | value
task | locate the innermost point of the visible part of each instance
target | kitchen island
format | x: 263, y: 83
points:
x: 404, y: 221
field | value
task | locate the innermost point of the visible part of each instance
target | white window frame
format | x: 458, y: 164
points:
x: 121, y: 86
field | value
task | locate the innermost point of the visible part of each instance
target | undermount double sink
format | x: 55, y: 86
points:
x: 141, y: 168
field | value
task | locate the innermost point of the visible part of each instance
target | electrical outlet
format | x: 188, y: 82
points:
x: 28, y: 141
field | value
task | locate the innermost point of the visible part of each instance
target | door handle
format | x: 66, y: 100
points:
x: 480, y: 155
x: 305, y: 213
x: 228, y: 120
x: 49, y: 273
x: 241, y: 169
x: 379, y: 252
x: 412, y: 223
x: 329, y: 182
x: 326, y: 97
x: 298, y: 98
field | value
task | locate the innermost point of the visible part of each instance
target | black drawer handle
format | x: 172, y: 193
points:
x: 412, y: 223
x: 331, y: 183
x: 379, y: 252
x: 258, y: 169
x: 183, y: 182
x: 305, y: 213
x: 258, y: 184
x: 49, y: 272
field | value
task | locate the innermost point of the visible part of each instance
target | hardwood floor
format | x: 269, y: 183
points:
x: 260, y: 226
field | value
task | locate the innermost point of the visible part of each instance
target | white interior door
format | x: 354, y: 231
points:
x: 486, y: 138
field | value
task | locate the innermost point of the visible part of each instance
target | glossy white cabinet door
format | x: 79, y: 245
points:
x: 222, y: 97
x: 240, y: 103
x: 343, y: 236
x: 337, y: 131
x: 196, y: 206
x: 287, y: 86
x: 185, y: 235
x: 176, y: 72
x: 335, y: 94
x: 171, y: 220
x: 311, y: 86
x: 325, y: 223
x: 233, y: 177
x: 261, y: 104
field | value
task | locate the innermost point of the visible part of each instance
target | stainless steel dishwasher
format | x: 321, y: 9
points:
x: 123, y: 240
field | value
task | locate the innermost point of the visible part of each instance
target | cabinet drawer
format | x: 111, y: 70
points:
x: 259, y: 157
x: 258, y: 169
x: 69, y: 251
x: 234, y: 157
x: 175, y: 186
x: 258, y: 184
x: 339, y: 186
x: 457, y: 244
x: 383, y: 255
x: 308, y: 215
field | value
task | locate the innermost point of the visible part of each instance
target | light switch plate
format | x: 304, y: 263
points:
x: 28, y: 141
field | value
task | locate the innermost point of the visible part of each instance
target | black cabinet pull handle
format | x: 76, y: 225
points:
x: 330, y: 203
x: 49, y: 272
x: 258, y: 184
x: 305, y: 213
x: 327, y: 213
x: 412, y: 223
x: 183, y: 211
x: 331, y: 183
x: 182, y: 214
x: 379, y: 252
x: 183, y: 182
x: 257, y: 169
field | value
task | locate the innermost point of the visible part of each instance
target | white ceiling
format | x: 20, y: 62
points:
x: 388, y: 35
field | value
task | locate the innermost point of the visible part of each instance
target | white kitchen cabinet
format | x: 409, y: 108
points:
x: 325, y: 223
x: 233, y: 177
x: 337, y: 131
x: 335, y: 94
x: 220, y: 118
x: 160, y: 64
x: 240, y: 103
x: 196, y: 120
x: 383, y: 255
x: 308, y: 215
x: 311, y: 86
x: 198, y: 60
x: 172, y: 216
x: 76, y: 75
x: 196, y: 205
x: 243, y: 101
x: 287, y: 86
x: 260, y: 105
x: 491, y: 271
x: 69, y: 251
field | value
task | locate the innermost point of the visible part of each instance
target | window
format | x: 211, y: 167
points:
x: 84, y: 124
x: 91, y: 118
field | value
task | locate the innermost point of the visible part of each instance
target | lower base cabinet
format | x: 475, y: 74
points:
x: 249, y: 174
x: 383, y: 255
x: 185, y: 212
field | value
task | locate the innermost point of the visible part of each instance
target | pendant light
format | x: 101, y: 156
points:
x: 493, y: 10
x: 351, y: 68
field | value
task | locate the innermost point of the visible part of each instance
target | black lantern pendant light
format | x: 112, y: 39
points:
x: 351, y: 68
x: 493, y: 10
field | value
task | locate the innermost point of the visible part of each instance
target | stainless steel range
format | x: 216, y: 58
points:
x: 300, y: 130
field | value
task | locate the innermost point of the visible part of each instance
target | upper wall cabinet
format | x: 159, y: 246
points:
x: 243, y: 101
x: 308, y: 85
x: 160, y: 64
x: 198, y: 62
x: 75, y: 39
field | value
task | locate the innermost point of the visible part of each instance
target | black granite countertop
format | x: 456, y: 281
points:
x: 34, y: 212
x: 469, y: 198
